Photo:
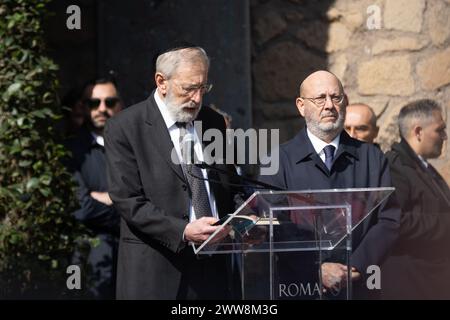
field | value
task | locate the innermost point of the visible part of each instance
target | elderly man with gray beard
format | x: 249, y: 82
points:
x: 165, y: 204
x: 324, y: 156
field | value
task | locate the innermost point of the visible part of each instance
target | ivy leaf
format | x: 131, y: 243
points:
x: 20, y: 121
x: 15, y: 238
x: 12, y: 89
x: 45, y: 191
x: 32, y: 184
x: 25, y: 163
x: 46, y: 179
x: 43, y: 257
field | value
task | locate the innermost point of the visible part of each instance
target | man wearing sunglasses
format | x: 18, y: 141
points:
x: 101, y: 102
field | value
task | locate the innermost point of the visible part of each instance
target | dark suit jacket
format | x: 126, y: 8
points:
x: 419, y: 267
x: 152, y: 196
x: 88, y: 165
x: 356, y: 165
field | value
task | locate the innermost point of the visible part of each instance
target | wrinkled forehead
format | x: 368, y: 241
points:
x: 191, y: 69
x: 321, y: 84
x: 103, y: 90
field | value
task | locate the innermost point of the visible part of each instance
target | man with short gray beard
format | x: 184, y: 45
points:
x: 324, y: 156
x: 166, y: 207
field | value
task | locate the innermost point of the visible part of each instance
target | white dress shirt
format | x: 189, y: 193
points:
x: 319, y: 144
x: 174, y: 132
x: 98, y: 139
x: 424, y: 162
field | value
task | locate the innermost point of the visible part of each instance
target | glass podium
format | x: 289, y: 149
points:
x: 280, y: 239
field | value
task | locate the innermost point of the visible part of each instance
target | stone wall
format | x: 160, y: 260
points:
x: 386, y: 52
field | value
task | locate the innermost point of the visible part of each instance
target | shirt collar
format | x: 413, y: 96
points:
x: 319, y: 144
x: 424, y: 162
x: 164, y: 112
x: 98, y: 139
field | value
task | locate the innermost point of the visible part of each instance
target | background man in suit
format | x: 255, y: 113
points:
x: 323, y: 156
x: 89, y: 165
x: 163, y: 208
x: 361, y: 122
x: 419, y: 267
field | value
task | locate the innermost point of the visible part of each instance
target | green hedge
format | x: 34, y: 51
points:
x: 37, y: 231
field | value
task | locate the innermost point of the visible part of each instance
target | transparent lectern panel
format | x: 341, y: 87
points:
x: 280, y: 240
x: 305, y: 220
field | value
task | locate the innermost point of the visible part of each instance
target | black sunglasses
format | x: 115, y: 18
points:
x: 110, y: 102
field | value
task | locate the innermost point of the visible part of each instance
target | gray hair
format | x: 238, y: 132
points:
x: 168, y: 62
x: 419, y: 110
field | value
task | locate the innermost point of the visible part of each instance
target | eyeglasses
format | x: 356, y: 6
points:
x: 320, y: 101
x: 191, y: 90
x: 94, y: 103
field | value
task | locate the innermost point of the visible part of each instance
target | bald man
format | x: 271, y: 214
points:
x: 324, y: 156
x: 361, y: 122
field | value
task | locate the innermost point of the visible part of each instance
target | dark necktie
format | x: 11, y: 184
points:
x: 193, y: 175
x: 329, y: 155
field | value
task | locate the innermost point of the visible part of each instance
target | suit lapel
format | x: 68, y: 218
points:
x: 346, y: 147
x: 160, y: 137
x: 305, y: 151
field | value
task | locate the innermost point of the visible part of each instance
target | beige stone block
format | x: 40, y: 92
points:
x: 439, y: 22
x: 338, y: 37
x: 379, y: 104
x: 399, y: 44
x: 404, y: 15
x: 388, y: 133
x: 388, y: 76
x: 333, y: 14
x: 339, y: 66
x: 434, y: 71
x: 353, y: 20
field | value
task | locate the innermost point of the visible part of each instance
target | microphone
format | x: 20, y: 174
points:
x: 190, y: 159
x: 187, y: 149
x: 204, y: 165
x: 263, y: 185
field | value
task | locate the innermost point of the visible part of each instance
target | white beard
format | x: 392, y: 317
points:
x: 177, y: 112
x: 326, y: 130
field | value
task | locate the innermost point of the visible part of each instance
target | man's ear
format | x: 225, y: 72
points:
x: 161, y: 83
x: 417, y: 133
x: 300, y: 103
